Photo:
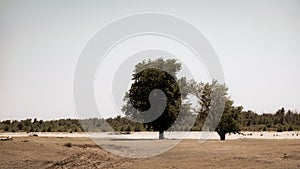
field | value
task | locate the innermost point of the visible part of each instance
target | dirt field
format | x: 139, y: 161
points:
x: 38, y: 152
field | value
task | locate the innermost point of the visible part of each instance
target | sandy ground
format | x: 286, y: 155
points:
x: 169, y: 135
x: 43, y: 152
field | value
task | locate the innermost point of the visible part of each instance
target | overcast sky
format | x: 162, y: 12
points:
x: 257, y: 42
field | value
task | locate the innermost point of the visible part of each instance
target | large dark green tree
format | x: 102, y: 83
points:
x: 155, y: 88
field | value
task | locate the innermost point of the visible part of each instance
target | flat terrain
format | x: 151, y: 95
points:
x: 42, y: 152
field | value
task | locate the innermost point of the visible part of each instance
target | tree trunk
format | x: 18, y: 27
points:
x: 222, y: 136
x: 161, y: 135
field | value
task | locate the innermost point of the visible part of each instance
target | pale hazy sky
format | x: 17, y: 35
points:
x: 257, y: 42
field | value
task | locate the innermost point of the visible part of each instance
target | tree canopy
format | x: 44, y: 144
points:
x: 154, y: 97
x: 229, y: 122
x: 216, y: 111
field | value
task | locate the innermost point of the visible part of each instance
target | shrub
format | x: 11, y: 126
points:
x: 279, y: 128
x: 6, y: 128
x: 265, y: 128
x: 290, y: 128
x: 68, y: 145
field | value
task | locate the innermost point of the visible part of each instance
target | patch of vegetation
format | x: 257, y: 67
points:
x: 68, y: 144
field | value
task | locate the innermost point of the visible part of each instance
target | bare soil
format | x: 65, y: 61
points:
x: 52, y: 153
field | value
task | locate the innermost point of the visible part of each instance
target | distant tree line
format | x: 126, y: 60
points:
x: 281, y: 120
x: 34, y: 125
x: 71, y: 125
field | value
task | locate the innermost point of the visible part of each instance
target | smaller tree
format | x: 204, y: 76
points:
x: 214, y: 102
x: 229, y: 122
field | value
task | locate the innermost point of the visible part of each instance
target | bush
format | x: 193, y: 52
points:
x: 68, y: 145
x: 6, y: 128
x: 129, y: 128
x: 279, y: 128
x: 265, y: 128
x: 290, y: 128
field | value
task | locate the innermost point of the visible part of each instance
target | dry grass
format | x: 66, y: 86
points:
x: 51, y: 153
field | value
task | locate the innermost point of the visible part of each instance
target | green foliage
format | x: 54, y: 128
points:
x: 229, y: 121
x: 290, y: 128
x: 278, y: 121
x: 148, y: 76
x: 6, y: 128
x: 280, y: 128
x: 216, y: 110
x: 29, y: 125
